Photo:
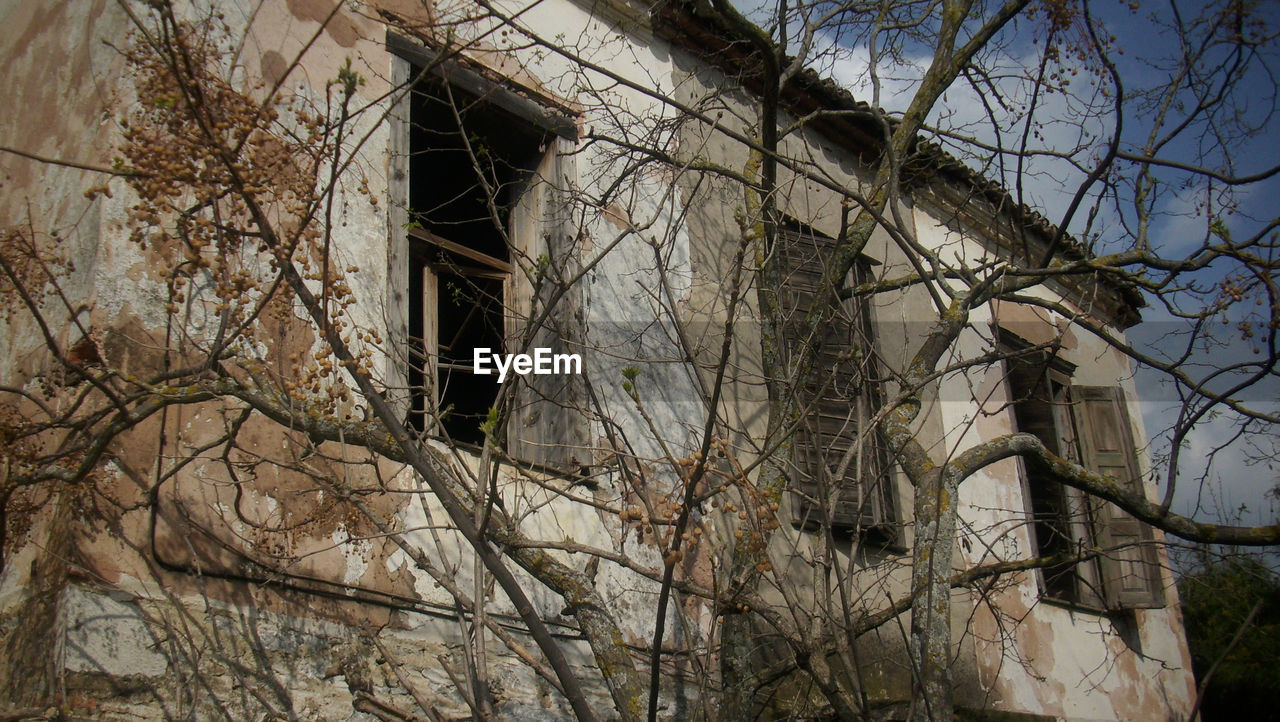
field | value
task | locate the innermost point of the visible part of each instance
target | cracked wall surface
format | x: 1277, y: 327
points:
x: 186, y: 597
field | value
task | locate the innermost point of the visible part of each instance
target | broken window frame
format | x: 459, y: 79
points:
x: 437, y: 262
x: 543, y: 429
x: 1058, y: 413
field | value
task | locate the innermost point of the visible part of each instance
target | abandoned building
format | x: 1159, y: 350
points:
x: 223, y: 560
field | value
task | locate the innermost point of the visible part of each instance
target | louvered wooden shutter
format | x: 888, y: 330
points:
x: 1131, y: 575
x: 548, y: 425
x: 839, y: 465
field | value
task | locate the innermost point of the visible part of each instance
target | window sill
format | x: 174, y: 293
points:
x: 883, y: 538
x: 1073, y: 606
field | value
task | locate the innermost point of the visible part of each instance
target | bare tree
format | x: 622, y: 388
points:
x: 760, y: 435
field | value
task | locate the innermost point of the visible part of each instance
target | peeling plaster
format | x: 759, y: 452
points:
x: 1056, y: 662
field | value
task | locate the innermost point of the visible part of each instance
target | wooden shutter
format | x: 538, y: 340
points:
x: 547, y: 425
x: 839, y: 464
x: 1131, y: 575
x: 1060, y: 519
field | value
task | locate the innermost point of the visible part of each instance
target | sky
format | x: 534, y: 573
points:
x: 1236, y: 139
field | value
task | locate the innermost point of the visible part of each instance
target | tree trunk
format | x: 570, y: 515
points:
x: 930, y: 643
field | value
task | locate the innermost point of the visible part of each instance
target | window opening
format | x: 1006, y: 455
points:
x: 841, y: 468
x: 1088, y: 425
x: 469, y: 164
x: 1038, y: 383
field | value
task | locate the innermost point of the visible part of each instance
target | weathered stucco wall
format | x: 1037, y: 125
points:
x: 1036, y: 655
x: 332, y: 607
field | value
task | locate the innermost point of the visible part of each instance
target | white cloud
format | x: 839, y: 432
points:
x: 1221, y: 475
x: 994, y: 115
x: 1219, y: 471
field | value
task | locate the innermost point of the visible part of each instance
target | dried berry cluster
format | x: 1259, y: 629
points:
x: 1263, y: 313
x: 231, y: 185
x: 723, y: 483
x: 27, y: 267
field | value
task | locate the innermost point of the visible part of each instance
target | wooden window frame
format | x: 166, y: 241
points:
x: 837, y: 457
x: 431, y: 258
x: 1084, y: 420
x: 536, y: 140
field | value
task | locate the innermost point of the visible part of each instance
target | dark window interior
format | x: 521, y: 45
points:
x: 469, y: 162
x: 1041, y: 406
x: 1036, y: 397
